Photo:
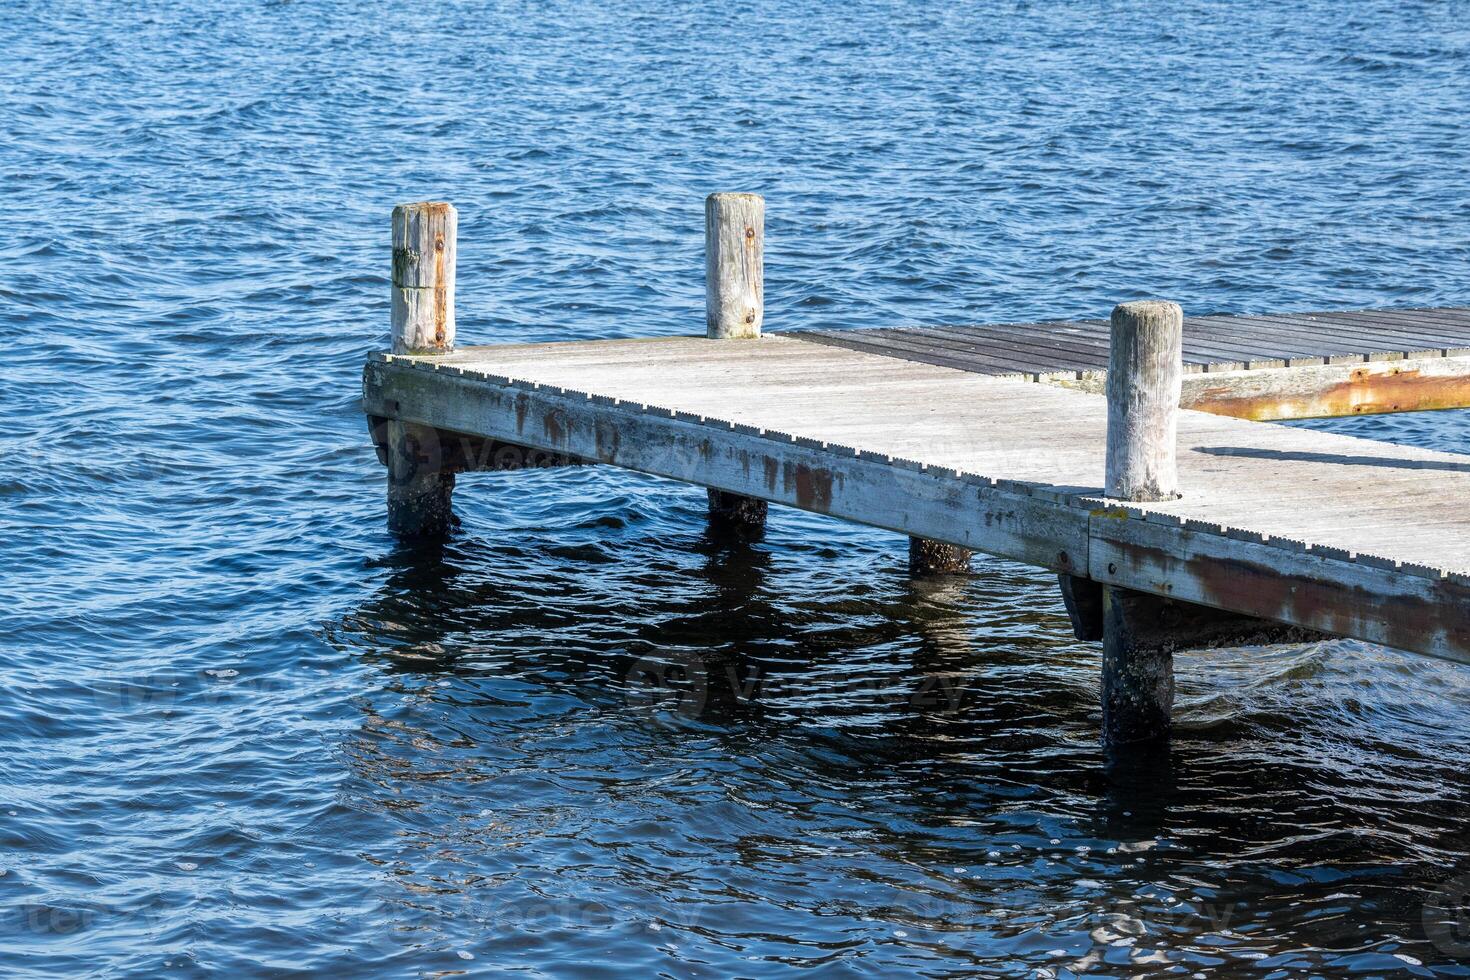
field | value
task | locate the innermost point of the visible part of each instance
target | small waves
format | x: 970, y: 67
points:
x: 246, y: 732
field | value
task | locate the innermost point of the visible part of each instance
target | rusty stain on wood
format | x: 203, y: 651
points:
x: 441, y: 292
x: 554, y: 424
x: 813, y: 486
x: 1370, y: 390
x: 1285, y: 583
x: 523, y: 405
x: 607, y: 439
x: 1326, y: 605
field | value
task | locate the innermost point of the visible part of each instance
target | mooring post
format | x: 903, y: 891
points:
x: 734, y: 265
x: 1145, y: 379
x: 420, y: 483
x: 423, y: 277
x: 1145, y: 371
x: 734, y: 306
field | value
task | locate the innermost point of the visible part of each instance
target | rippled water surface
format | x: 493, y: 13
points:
x: 243, y: 732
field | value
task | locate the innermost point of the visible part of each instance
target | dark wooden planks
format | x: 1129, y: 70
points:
x: 1214, y: 342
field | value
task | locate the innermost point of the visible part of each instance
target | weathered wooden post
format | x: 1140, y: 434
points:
x: 1145, y: 379
x: 734, y: 265
x: 420, y: 483
x: 423, y: 277
x: 1145, y: 372
x: 734, y: 307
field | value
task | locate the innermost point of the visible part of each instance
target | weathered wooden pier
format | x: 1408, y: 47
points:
x: 1134, y: 457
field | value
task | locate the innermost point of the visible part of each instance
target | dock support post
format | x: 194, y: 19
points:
x: 929, y: 557
x: 1145, y: 373
x: 1137, y: 670
x: 420, y: 485
x: 736, y: 514
x: 423, y: 277
x: 420, y: 481
x: 734, y: 308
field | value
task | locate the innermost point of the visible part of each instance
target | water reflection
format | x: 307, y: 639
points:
x: 716, y: 756
x: 717, y: 645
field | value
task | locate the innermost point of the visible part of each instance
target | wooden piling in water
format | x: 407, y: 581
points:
x: 420, y: 481
x: 1145, y: 368
x: 420, y: 484
x: 929, y: 557
x: 734, y: 308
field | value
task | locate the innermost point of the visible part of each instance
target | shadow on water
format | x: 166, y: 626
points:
x: 906, y: 678
x: 724, y: 644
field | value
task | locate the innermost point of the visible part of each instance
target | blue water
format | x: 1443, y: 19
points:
x: 242, y: 732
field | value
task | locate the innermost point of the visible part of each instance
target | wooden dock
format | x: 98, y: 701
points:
x: 996, y: 439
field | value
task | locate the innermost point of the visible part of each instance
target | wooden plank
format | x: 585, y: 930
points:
x: 1207, y: 345
x: 1032, y: 343
x: 994, y: 351
x: 1220, y: 342
x: 1307, y: 343
x: 1383, y: 337
x: 1364, y: 333
x: 1408, y: 338
x: 1319, y: 339
x: 865, y: 341
x: 1260, y: 344
x: 1040, y: 357
x: 1022, y: 360
x: 1394, y: 334
x: 1437, y: 320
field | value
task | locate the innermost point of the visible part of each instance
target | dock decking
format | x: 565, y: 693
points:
x: 1348, y: 536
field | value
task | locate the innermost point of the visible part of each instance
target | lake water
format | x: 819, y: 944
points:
x: 243, y: 732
